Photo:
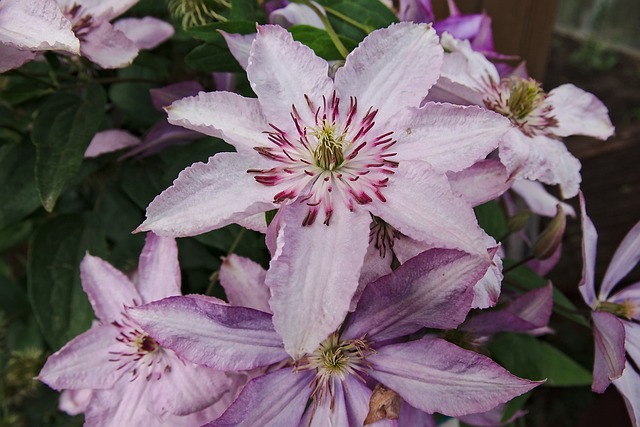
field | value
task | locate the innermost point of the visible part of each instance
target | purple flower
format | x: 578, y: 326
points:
x: 330, y: 154
x: 132, y: 379
x: 532, y: 149
x: 433, y: 290
x: 615, y: 316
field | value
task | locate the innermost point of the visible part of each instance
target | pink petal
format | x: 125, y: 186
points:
x: 436, y: 376
x: 208, y: 196
x: 83, y: 363
x: 110, y: 140
x: 75, y: 402
x: 483, y: 181
x: 629, y: 387
x: 126, y: 404
x: 589, y: 245
x: 529, y: 311
x: 372, y: 71
x: 275, y: 399
x: 145, y: 33
x: 410, y: 417
x: 609, y: 362
x: 108, y: 47
x: 330, y: 411
x: 449, y: 137
x: 158, y: 269
x: 543, y: 159
x: 487, y: 291
x: 214, y: 335
x: 109, y: 290
x: 102, y: 10
x: 282, y: 72
x: 295, y: 14
x: 36, y: 25
x: 160, y: 136
x: 187, y: 388
x: 165, y: 96
x: 491, y: 418
x: 421, y: 205
x: 11, y: 58
x: 624, y: 260
x: 416, y: 11
x: 314, y: 274
x: 432, y: 290
x: 538, y: 198
x: 579, y: 113
x: 243, y: 283
x: 240, y: 46
x: 236, y: 119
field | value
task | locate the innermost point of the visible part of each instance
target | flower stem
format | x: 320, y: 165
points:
x: 325, y: 21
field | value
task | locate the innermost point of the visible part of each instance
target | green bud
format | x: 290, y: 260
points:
x: 551, y: 237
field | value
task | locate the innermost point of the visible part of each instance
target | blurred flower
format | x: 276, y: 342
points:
x: 615, y: 316
x: 133, y: 380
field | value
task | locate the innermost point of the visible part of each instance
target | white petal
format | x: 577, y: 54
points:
x: 108, y: 47
x: 145, y: 33
x: 579, y: 113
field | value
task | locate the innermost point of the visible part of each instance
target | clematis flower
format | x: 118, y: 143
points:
x: 27, y: 27
x: 132, y: 380
x: 432, y: 290
x: 532, y: 149
x: 615, y: 316
x: 329, y: 154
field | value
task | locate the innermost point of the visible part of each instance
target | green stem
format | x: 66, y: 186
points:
x: 518, y: 264
x: 367, y: 29
x: 325, y: 21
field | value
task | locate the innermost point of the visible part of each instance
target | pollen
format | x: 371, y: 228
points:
x: 328, y: 153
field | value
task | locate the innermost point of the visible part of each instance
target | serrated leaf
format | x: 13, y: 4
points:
x: 531, y: 358
x: 492, y: 219
x: 319, y: 41
x: 18, y: 190
x: 55, y: 292
x: 62, y: 131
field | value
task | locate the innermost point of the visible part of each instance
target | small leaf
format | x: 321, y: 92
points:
x: 531, y: 358
x: 209, y: 32
x: 244, y: 10
x: 492, y: 220
x: 62, y: 130
x: 213, y: 57
x: 58, y: 301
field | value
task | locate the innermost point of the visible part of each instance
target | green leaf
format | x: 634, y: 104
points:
x: 18, y: 190
x: 209, y: 32
x: 62, y: 131
x: 244, y: 10
x: 320, y: 42
x: 531, y: 358
x: 55, y: 292
x: 492, y: 219
x: 514, y: 405
x: 213, y: 57
x: 370, y: 13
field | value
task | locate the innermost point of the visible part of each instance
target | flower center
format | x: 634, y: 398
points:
x: 81, y: 21
x: 328, y: 156
x: 328, y: 153
x: 138, y: 353
x: 523, y: 102
x: 335, y: 360
x: 627, y: 309
x: 382, y: 235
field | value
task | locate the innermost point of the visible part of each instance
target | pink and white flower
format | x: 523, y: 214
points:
x: 329, y: 154
x: 533, y: 149
x: 615, y: 316
x: 117, y: 373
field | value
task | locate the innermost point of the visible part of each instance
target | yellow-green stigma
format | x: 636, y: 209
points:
x: 197, y: 12
x: 526, y: 96
x: 328, y: 153
x: 626, y: 309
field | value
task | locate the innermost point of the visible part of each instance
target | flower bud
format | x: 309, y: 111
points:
x: 551, y: 237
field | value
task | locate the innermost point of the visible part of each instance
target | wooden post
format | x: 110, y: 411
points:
x: 520, y: 27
